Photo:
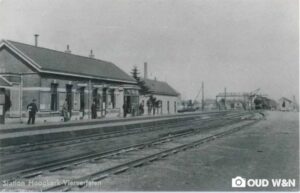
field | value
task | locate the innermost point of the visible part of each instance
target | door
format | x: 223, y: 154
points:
x: 127, y: 102
x: 82, y: 105
x: 69, y: 98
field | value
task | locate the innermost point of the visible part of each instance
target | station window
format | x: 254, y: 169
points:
x: 81, y: 91
x: 96, y: 98
x: 69, y: 96
x: 112, y: 98
x: 54, y: 96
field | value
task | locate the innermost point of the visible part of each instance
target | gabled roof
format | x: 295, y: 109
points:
x: 283, y: 98
x: 52, y: 61
x: 160, y: 87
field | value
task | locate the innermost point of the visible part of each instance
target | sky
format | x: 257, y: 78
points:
x: 238, y: 44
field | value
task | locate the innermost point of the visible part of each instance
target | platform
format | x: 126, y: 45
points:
x: 24, y: 134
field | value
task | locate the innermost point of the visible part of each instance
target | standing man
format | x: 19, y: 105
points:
x: 65, y: 112
x: 149, y: 106
x: 32, y: 109
x: 125, y: 109
x: 7, y: 103
x: 141, y: 108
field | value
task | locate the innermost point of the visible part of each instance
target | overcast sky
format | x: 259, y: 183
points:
x: 238, y: 44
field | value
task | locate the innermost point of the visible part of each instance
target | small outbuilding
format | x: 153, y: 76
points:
x: 285, y: 104
x: 162, y: 98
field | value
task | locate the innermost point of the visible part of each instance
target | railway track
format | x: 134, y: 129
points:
x: 181, y: 130
x: 138, y: 161
x: 29, y: 160
x: 59, y: 166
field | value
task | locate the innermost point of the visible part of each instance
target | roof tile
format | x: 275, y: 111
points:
x: 160, y: 87
x: 64, y: 62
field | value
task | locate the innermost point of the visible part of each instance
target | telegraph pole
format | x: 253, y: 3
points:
x: 21, y: 96
x: 225, y: 98
x: 202, y: 102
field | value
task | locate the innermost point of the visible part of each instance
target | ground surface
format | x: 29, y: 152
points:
x: 266, y: 150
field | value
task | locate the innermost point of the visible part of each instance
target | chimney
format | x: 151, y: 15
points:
x: 145, y: 70
x: 36, y: 36
x: 68, y: 51
x: 91, y: 54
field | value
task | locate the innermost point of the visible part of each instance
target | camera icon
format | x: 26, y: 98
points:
x: 238, y: 182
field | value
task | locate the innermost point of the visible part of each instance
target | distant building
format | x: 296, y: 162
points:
x: 285, y: 104
x: 234, y: 101
x: 51, y: 77
x: 261, y: 102
x: 167, y: 97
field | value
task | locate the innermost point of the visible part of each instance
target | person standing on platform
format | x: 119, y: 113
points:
x: 32, y: 109
x: 125, y: 110
x: 64, y: 111
x: 141, y: 108
x: 7, y: 103
x: 94, y: 110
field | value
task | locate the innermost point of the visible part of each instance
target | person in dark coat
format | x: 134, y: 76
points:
x: 32, y: 109
x: 65, y: 112
x: 7, y: 103
x: 125, y: 109
x: 141, y: 108
x: 94, y: 110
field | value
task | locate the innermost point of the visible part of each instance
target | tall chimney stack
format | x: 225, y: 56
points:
x: 36, y: 36
x: 68, y: 49
x: 91, y: 54
x: 145, y: 70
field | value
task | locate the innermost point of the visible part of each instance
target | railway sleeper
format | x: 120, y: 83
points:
x: 58, y: 168
x: 121, y: 170
x: 101, y: 177
x: 31, y: 175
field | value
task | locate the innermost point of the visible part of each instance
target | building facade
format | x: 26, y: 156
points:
x: 285, y: 104
x: 161, y: 98
x: 52, y: 77
x: 166, y: 98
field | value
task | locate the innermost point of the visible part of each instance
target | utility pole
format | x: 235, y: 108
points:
x: 218, y: 105
x: 202, y: 102
x: 295, y: 103
x: 21, y: 96
x: 225, y: 98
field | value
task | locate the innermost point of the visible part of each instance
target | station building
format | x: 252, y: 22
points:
x: 52, y: 77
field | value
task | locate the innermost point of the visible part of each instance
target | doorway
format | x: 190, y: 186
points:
x: 82, y: 103
x: 69, y: 98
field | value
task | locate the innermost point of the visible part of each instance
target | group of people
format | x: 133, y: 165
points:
x: 66, y: 113
x: 133, y: 110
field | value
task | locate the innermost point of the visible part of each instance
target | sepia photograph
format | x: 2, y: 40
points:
x: 149, y: 96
